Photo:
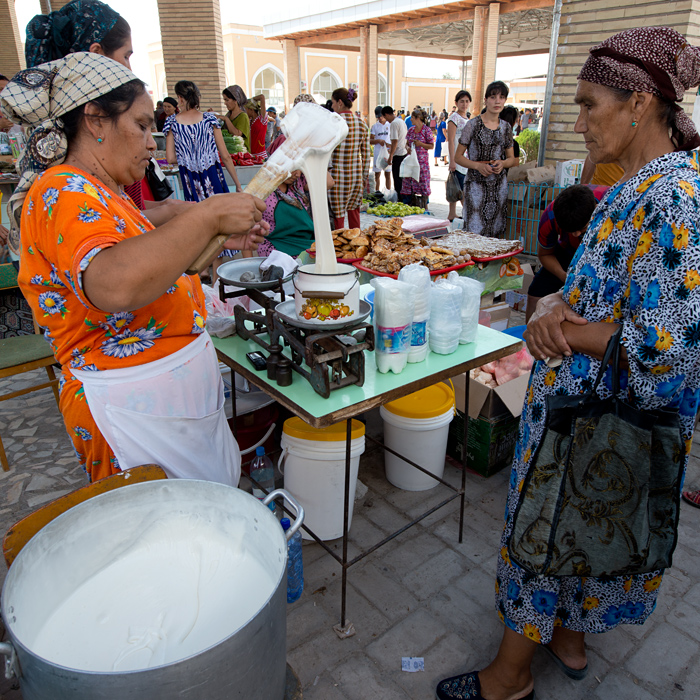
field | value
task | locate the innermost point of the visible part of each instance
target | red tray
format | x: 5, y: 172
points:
x: 499, y: 257
x: 433, y: 273
x: 348, y: 261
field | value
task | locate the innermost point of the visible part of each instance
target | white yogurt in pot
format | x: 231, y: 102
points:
x: 182, y: 587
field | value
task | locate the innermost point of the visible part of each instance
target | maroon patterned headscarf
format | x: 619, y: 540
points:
x: 650, y: 59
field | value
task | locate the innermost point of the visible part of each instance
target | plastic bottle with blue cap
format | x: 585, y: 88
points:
x: 295, y: 564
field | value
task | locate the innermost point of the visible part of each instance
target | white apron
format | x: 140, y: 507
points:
x: 169, y: 412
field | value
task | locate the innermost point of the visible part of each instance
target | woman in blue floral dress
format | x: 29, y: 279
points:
x: 638, y: 266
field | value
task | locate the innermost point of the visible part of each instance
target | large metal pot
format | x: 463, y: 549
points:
x: 247, y: 662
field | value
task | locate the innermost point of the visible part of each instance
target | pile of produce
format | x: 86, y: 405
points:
x: 247, y: 158
x: 504, y: 370
x: 234, y: 144
x: 394, y: 209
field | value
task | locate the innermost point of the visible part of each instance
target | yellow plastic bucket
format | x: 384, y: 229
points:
x: 313, y: 465
x: 417, y: 426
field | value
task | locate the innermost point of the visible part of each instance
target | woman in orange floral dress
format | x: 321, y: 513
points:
x: 140, y: 381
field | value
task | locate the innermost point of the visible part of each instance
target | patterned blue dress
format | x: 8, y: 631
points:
x: 638, y: 265
x: 197, y: 157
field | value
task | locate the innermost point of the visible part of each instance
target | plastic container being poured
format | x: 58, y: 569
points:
x: 312, y: 133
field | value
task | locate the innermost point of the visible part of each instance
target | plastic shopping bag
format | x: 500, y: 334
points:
x: 453, y: 192
x: 382, y: 157
x: 410, y: 167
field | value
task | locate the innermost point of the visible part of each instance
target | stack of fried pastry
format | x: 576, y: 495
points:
x: 391, y: 248
x: 349, y: 243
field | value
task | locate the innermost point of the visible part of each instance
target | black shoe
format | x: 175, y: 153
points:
x: 466, y: 687
x: 576, y: 674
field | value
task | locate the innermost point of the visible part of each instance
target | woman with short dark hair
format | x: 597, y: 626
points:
x: 486, y: 150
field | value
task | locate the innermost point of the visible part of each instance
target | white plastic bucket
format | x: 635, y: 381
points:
x: 313, y: 465
x: 422, y: 439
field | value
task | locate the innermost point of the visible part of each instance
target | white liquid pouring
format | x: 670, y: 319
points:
x: 181, y: 588
x: 315, y: 168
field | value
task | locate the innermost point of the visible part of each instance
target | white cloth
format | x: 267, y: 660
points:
x: 277, y: 257
x: 459, y: 122
x: 380, y: 131
x: 397, y: 132
x: 168, y: 412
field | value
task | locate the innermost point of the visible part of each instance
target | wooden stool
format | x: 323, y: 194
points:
x: 23, y: 353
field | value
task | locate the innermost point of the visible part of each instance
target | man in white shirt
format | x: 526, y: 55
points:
x: 397, y: 152
x: 378, y: 137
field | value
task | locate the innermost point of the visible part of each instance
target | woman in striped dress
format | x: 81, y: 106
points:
x: 349, y: 164
x: 195, y: 143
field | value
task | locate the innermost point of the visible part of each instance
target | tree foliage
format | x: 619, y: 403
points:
x: 529, y: 141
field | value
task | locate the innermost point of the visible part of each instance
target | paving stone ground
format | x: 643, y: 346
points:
x: 423, y: 594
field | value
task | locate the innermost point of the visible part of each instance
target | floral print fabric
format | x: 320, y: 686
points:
x: 422, y: 186
x: 485, y: 196
x: 68, y: 218
x: 638, y: 265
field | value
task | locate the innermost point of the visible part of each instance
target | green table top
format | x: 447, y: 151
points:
x: 378, y: 388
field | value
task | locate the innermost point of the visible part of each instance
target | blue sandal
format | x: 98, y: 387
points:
x: 466, y: 687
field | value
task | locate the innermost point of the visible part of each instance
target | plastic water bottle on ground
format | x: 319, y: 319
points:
x: 262, y: 470
x: 295, y: 564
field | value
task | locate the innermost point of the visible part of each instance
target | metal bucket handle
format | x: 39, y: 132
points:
x: 298, y: 521
x: 11, y: 662
x: 327, y: 295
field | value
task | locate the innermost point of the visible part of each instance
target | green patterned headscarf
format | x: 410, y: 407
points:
x: 75, y: 27
x: 38, y: 98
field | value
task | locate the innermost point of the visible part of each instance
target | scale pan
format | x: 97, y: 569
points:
x: 288, y: 313
x: 230, y: 274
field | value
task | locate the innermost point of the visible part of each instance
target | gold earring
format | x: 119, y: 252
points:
x: 634, y: 124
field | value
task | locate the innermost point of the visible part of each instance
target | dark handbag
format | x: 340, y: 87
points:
x: 453, y: 192
x: 602, y: 495
x: 157, y: 182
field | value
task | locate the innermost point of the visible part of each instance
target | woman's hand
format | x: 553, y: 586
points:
x: 497, y: 166
x: 484, y: 168
x: 234, y: 214
x: 544, y: 335
x: 452, y: 166
x: 250, y: 240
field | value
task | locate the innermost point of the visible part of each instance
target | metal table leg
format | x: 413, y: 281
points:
x: 464, y: 457
x: 345, y: 628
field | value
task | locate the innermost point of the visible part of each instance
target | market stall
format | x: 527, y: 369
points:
x: 376, y: 389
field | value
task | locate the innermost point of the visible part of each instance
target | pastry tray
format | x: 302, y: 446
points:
x: 433, y: 273
x: 346, y: 261
x: 502, y: 256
